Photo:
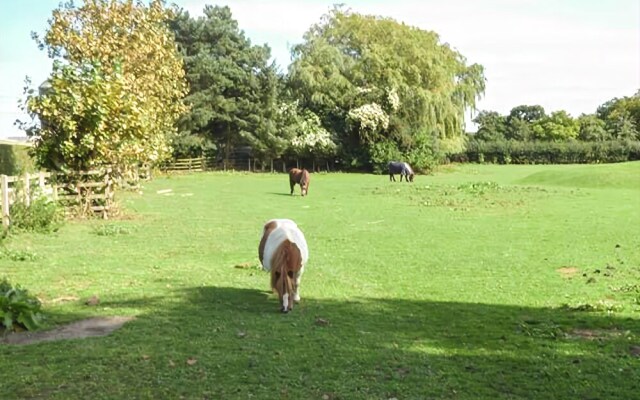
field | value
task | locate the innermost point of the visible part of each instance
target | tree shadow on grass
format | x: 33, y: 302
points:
x: 240, y: 346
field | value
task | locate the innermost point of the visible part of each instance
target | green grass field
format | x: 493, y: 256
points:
x: 478, y: 282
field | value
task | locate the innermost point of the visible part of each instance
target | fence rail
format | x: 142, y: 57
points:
x: 200, y: 164
x: 9, y: 193
x: 89, y: 191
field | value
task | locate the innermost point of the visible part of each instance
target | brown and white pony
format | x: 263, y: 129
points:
x: 301, y: 177
x: 283, y: 251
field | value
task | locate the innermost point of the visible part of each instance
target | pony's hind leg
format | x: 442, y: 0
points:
x: 296, y: 287
x: 292, y: 185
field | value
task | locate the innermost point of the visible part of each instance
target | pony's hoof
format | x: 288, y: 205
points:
x: 284, y: 310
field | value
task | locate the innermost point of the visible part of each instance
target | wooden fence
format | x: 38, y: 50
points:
x: 187, y: 165
x: 200, y: 164
x: 87, y: 192
x: 9, y: 193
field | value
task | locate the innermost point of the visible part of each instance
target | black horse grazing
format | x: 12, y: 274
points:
x: 401, y: 168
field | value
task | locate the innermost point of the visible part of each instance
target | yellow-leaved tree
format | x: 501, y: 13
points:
x: 115, y: 90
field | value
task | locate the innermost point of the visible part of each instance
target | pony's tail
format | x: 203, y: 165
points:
x: 281, y: 265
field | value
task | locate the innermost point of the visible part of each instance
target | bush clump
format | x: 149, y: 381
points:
x: 42, y: 215
x: 19, y: 310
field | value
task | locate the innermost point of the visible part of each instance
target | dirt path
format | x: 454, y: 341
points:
x: 99, y: 326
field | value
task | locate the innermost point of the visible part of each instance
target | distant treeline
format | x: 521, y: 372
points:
x: 530, y: 136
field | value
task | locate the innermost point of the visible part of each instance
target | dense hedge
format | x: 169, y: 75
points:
x: 571, y: 152
x: 14, y: 159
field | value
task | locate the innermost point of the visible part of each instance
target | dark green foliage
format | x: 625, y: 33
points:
x: 42, y: 215
x: 187, y: 145
x: 232, y: 85
x: 592, y: 129
x: 19, y: 310
x: 491, y: 126
x: 380, y: 153
x: 526, y: 113
x: 622, y: 116
x: 540, y: 152
x: 14, y: 159
x: 519, y: 122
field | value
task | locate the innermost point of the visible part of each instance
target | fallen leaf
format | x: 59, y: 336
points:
x: 171, y: 363
x: 191, y: 361
x: 322, y: 322
x: 241, y: 334
x: 145, y: 357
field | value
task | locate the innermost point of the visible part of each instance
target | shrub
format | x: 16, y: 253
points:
x: 42, y: 215
x: 380, y: 153
x: 538, y: 152
x: 17, y: 255
x: 18, y: 308
x: 110, y: 230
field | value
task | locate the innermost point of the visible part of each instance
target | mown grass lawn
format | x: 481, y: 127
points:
x: 478, y: 282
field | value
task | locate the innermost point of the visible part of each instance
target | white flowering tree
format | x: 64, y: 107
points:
x: 370, y: 120
x: 312, y: 140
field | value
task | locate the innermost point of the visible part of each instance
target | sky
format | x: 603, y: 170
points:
x: 562, y: 54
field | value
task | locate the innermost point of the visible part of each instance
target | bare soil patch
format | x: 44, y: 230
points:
x: 98, y: 326
x: 595, y: 334
x: 568, y: 272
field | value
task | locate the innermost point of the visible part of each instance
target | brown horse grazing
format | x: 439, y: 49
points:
x: 301, y: 177
x: 283, y: 251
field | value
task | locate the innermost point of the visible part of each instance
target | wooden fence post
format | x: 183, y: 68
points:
x: 107, y: 194
x: 54, y: 186
x: 4, y: 189
x: 27, y: 189
x: 41, y: 181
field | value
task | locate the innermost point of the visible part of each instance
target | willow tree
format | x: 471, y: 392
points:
x: 115, y: 90
x: 380, y: 84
